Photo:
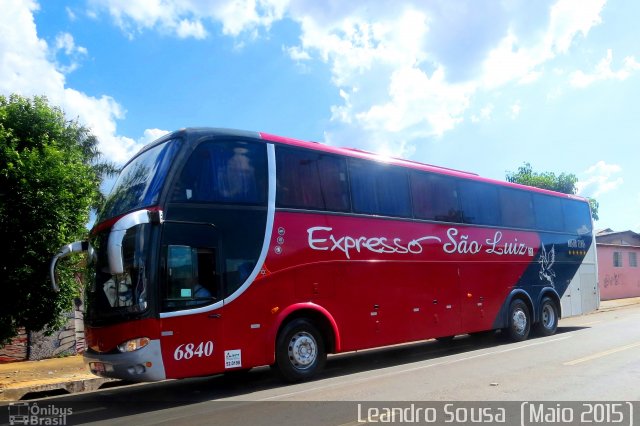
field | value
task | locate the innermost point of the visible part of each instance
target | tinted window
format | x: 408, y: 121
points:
x: 311, y: 180
x: 190, y: 271
x: 548, y: 211
x: 225, y: 172
x: 140, y: 182
x: 577, y: 217
x: 379, y: 189
x: 191, y: 277
x: 516, y: 208
x: 479, y: 203
x: 434, y: 197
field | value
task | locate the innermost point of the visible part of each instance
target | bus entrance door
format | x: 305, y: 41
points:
x: 191, y: 293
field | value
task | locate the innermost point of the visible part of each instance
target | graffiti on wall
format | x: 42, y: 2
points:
x: 16, y: 350
x: 613, y: 280
x: 36, y: 345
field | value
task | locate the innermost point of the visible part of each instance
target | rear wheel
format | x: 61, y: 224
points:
x: 548, y: 318
x: 519, y: 321
x: 300, y: 351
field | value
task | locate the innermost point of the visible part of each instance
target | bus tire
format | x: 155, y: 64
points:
x: 300, y: 351
x: 548, y: 318
x: 519, y: 321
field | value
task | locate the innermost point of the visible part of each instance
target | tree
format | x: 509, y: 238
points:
x: 565, y: 183
x: 50, y: 174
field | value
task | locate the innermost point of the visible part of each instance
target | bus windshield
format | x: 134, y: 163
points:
x: 140, y: 181
x: 108, y: 296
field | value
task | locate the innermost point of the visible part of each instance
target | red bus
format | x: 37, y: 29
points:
x: 221, y: 250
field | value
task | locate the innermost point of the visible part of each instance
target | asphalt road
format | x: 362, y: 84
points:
x: 592, y: 358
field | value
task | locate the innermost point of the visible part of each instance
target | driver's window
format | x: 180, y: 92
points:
x: 191, y: 277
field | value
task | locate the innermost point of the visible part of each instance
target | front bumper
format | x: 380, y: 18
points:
x: 143, y: 365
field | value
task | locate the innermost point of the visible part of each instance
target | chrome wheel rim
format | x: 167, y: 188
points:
x: 302, y: 350
x: 519, y: 319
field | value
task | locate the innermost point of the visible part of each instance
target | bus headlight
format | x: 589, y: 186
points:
x: 133, y: 344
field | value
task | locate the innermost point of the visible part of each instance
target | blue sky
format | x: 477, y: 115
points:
x: 481, y: 86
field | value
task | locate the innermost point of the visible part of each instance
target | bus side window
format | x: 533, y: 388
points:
x: 379, y: 189
x: 548, y: 212
x: 435, y: 197
x: 479, y: 202
x: 308, y: 180
x: 224, y: 172
x: 516, y: 208
x: 191, y: 277
x: 298, y: 180
x: 577, y: 217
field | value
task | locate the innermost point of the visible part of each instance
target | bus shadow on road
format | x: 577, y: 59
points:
x: 563, y: 330
x: 150, y: 397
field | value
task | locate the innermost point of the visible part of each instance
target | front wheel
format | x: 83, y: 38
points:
x: 300, y: 351
x: 519, y: 321
x: 548, y: 318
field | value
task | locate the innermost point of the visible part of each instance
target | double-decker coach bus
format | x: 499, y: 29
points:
x: 223, y: 250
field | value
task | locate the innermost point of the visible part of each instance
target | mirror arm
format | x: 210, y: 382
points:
x: 75, y: 247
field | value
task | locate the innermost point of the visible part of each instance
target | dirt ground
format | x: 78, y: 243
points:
x: 45, y: 371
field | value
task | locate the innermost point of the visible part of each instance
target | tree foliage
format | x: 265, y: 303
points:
x: 50, y: 174
x: 565, y: 183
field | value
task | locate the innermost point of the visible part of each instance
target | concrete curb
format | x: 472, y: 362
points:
x: 608, y: 305
x: 18, y: 391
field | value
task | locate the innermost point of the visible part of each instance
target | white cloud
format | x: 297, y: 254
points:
x: 415, y: 98
x: 70, y: 13
x: 515, y: 109
x: 485, y: 114
x: 599, y: 178
x: 186, y: 29
x: 408, y: 85
x: 603, y: 71
x: 151, y: 135
x: 64, y: 41
x: 518, y: 59
x: 409, y: 67
x: 26, y: 68
x: 184, y: 17
x: 387, y: 80
x: 65, y: 45
x: 570, y: 18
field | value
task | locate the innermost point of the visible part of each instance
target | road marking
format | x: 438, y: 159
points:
x: 409, y: 370
x: 601, y: 354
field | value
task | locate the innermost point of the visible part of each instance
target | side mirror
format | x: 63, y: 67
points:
x: 114, y: 245
x: 75, y: 247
